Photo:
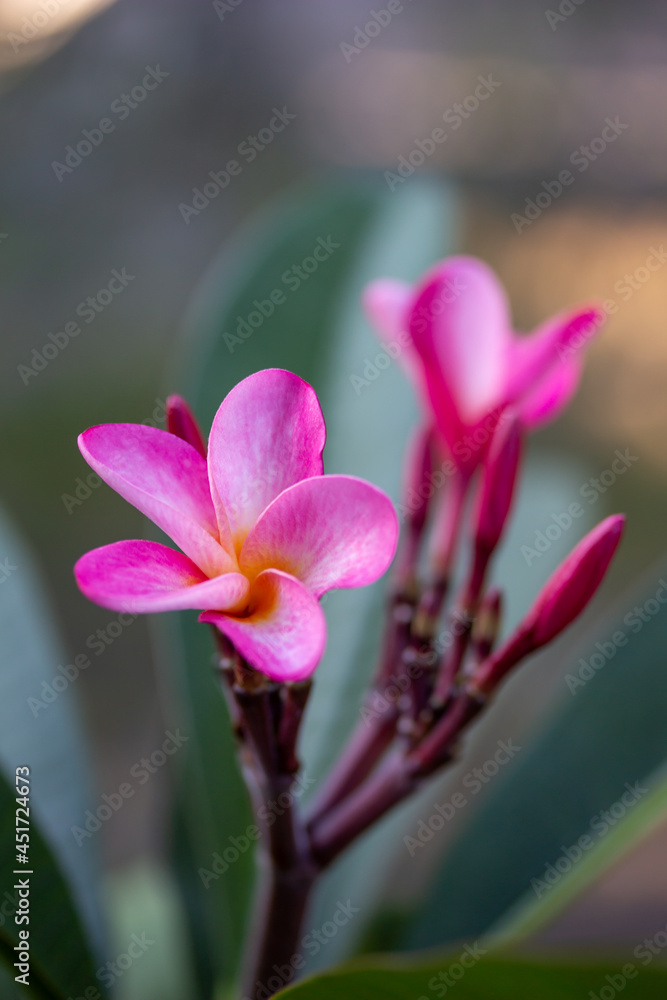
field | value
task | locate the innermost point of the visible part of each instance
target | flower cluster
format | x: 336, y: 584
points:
x: 263, y: 534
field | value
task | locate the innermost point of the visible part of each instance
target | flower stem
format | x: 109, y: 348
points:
x: 388, y: 785
x: 288, y: 877
x: 269, y: 727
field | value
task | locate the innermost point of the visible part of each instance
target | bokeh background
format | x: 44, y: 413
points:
x: 559, y: 76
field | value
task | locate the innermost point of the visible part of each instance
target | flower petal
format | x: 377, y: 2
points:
x: 140, y: 577
x: 166, y: 479
x: 330, y: 531
x: 387, y: 306
x: 559, y: 340
x: 386, y: 302
x: 551, y: 394
x: 284, y: 635
x: 459, y: 325
x: 268, y: 434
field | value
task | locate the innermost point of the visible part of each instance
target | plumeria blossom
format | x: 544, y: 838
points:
x: 467, y: 363
x: 263, y: 532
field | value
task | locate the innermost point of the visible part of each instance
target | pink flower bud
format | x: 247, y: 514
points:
x: 561, y: 600
x: 181, y: 421
x: 418, y: 486
x: 499, y: 478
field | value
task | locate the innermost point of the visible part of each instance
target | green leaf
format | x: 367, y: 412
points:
x: 60, y: 962
x: 39, y: 728
x: 608, y: 733
x: 144, y: 905
x: 477, y: 976
x: 531, y: 913
x: 295, y: 334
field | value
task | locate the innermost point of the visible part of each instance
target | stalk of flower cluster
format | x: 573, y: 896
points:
x: 237, y: 529
x: 494, y: 502
x: 270, y: 716
x: 375, y: 732
x: 389, y: 756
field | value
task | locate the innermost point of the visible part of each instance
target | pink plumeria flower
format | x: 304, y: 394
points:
x: 263, y: 532
x: 458, y: 345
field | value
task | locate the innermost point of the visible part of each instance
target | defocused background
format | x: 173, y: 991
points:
x: 583, y: 91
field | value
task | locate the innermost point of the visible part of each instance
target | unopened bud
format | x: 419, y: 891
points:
x: 499, y: 477
x: 560, y: 601
x: 181, y: 422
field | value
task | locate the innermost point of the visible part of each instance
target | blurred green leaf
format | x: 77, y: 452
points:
x: 482, y: 977
x: 531, y: 913
x: 60, y: 963
x: 39, y: 728
x: 144, y: 905
x: 604, y: 734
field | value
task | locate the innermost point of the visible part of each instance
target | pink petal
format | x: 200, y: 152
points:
x: 386, y: 302
x: 551, y: 394
x: 284, y: 635
x: 166, y: 479
x: 139, y: 577
x: 182, y: 422
x: 268, y: 434
x: 557, y: 342
x: 459, y: 325
x: 498, y: 484
x: 330, y: 531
